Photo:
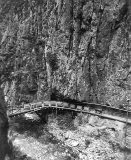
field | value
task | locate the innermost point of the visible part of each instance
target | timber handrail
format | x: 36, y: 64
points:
x: 78, y: 107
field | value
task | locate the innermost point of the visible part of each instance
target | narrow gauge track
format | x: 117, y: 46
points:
x: 102, y: 111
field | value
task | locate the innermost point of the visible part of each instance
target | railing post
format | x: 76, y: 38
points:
x: 12, y: 109
x: 127, y: 109
x: 72, y: 114
x: 56, y: 110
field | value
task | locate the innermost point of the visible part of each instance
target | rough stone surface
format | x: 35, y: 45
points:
x: 80, y: 49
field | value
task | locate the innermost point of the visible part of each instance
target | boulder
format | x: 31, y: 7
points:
x: 96, y: 121
x: 90, y: 130
x: 32, y: 116
x: 72, y: 143
x: 92, y: 120
x: 68, y: 135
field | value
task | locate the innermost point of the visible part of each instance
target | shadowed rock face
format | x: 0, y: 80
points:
x: 3, y: 128
x: 81, y: 48
x: 92, y: 68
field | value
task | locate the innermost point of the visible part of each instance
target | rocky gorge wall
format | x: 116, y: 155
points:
x: 79, y: 48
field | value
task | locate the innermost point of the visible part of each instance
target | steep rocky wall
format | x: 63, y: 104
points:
x: 79, y: 47
x: 95, y: 60
x: 4, y: 148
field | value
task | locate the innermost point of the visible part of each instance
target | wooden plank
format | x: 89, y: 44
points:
x: 72, y: 106
x: 39, y: 104
x: 53, y: 104
x: 23, y: 112
x: 104, y: 106
x: 47, y: 103
x: 79, y: 107
x: 65, y: 105
x: 59, y: 104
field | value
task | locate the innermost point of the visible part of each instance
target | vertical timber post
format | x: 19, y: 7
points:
x: 72, y: 114
x: 47, y: 114
x: 127, y: 109
x: 56, y: 110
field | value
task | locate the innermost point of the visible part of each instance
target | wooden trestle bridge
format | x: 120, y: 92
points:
x: 102, y: 111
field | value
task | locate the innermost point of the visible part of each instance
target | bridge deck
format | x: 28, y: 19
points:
x: 102, y: 111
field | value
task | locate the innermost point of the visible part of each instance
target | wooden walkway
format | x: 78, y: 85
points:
x: 102, y: 111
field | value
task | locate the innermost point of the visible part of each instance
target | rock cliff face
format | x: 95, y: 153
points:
x: 79, y: 48
x: 4, y: 147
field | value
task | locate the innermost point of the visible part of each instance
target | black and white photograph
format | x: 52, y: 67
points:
x: 65, y: 79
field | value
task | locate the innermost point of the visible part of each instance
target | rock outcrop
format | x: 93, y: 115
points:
x: 79, y: 48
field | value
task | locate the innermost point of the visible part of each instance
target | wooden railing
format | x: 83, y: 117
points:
x: 102, y: 111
